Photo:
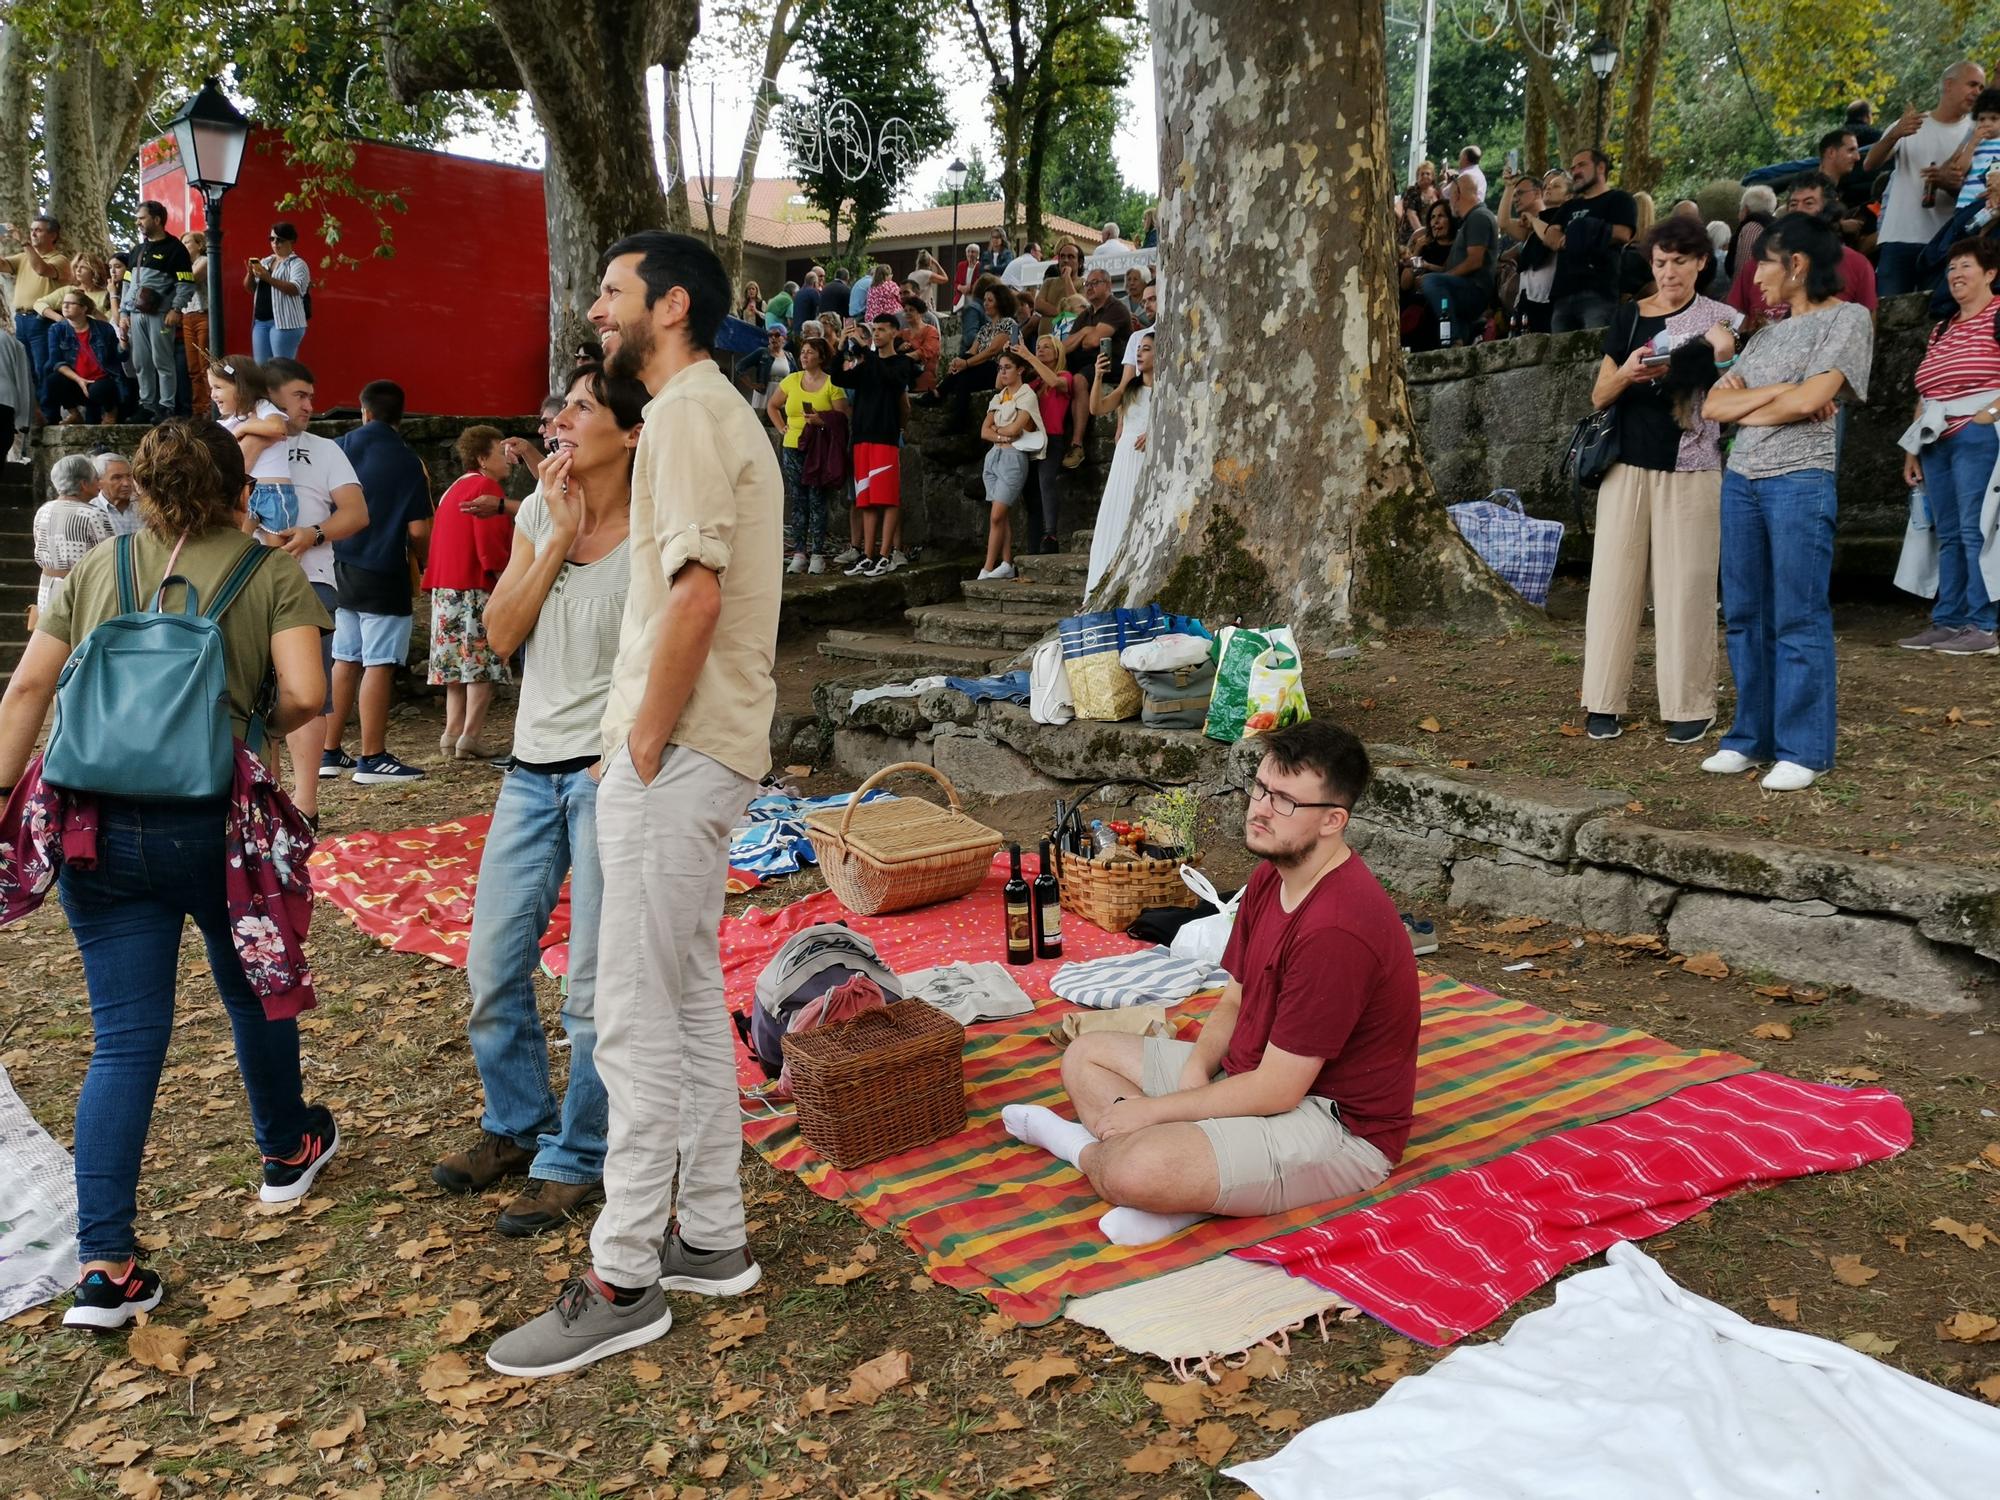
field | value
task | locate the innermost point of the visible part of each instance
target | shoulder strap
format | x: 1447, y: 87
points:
x: 128, y: 577
x: 246, y: 567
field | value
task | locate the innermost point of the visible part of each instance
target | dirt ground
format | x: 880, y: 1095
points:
x: 1917, y: 755
x: 334, y: 1350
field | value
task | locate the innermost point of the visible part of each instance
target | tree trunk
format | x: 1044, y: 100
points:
x: 1038, y: 157
x: 786, y: 24
x: 1285, y: 487
x: 1010, y: 169
x: 20, y: 70
x: 79, y: 185
x: 1641, y: 167
x: 1535, y: 131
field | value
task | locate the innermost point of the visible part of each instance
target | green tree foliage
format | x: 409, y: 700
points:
x: 981, y: 186
x: 1081, y: 180
x: 1478, y: 93
x: 863, y: 56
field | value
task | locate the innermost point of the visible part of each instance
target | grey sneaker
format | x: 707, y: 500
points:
x: 1970, y: 641
x: 712, y: 1273
x: 583, y: 1327
x: 1927, y: 639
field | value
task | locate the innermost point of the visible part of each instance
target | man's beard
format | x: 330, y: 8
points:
x: 1285, y: 856
x: 634, y: 352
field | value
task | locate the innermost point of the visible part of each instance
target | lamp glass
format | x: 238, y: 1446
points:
x: 1603, y: 57
x: 210, y: 134
x: 954, y: 175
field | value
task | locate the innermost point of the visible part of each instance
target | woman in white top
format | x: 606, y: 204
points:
x: 279, y: 284
x: 194, y: 317
x: 236, y: 385
x: 1132, y: 399
x: 1012, y: 416
x: 66, y: 527
x: 562, y: 596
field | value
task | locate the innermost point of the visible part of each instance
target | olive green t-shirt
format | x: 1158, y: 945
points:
x: 278, y: 597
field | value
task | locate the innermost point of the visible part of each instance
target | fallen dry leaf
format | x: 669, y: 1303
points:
x: 1002, y: 1421
x: 1897, y: 1242
x: 442, y: 1372
x: 1182, y: 1403
x: 1212, y: 1440
x: 1772, y: 1031
x: 158, y: 1347
x: 1515, y: 926
x: 1970, y: 1328
x: 729, y: 1330
x: 1991, y: 1155
x: 1265, y: 1363
x: 1156, y: 1457
x: 1856, y: 1074
x: 1989, y: 1388
x: 1871, y: 1343
x: 1708, y: 965
x: 1030, y: 1375
x: 461, y: 1323
x: 841, y: 1275
x: 712, y: 1466
x: 1285, y: 1420
x: 1395, y: 1364
x: 1848, y: 1270
x: 1972, y: 1236
x: 1571, y: 731
x: 646, y: 1372
x: 342, y: 1432
x: 1785, y: 1307
x: 1429, y: 724
x: 882, y: 1374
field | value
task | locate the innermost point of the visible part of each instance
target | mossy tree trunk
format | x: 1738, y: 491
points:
x: 1283, y: 480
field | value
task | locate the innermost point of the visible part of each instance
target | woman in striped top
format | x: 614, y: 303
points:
x: 1953, y: 451
x: 561, y: 596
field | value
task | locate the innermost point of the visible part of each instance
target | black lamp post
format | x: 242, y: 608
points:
x: 210, y: 133
x: 954, y: 178
x: 1603, y: 57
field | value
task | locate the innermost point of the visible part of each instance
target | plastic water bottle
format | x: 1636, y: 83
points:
x: 1444, y: 320
x: 1920, y: 506
x: 1107, y: 841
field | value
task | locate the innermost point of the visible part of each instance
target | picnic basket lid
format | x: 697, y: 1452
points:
x: 903, y: 828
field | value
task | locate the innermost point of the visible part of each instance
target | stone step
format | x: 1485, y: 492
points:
x: 956, y: 625
x: 16, y: 597
x: 17, y: 564
x: 1014, y: 596
x: 1066, y: 568
x: 901, y: 651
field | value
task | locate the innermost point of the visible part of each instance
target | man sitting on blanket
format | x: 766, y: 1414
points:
x: 1301, y: 1087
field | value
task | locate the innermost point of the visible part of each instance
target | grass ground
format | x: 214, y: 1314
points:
x: 334, y: 1350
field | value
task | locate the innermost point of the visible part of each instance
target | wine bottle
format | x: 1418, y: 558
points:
x: 1048, y: 909
x: 1020, y: 914
x: 1444, y: 321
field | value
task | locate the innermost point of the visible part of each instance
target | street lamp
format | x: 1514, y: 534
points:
x: 1603, y: 57
x: 954, y: 178
x: 210, y: 133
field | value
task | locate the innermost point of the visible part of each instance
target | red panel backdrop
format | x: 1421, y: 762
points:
x: 458, y: 316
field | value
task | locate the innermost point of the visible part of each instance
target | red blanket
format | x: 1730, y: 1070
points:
x: 1445, y: 1259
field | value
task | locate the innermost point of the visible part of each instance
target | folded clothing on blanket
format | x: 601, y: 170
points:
x: 1152, y: 974
x: 969, y: 993
x: 893, y: 690
x: 1447, y: 1258
x: 1003, y: 687
x: 1633, y: 1387
x: 771, y: 841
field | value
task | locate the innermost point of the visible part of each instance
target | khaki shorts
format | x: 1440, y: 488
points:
x: 1268, y: 1164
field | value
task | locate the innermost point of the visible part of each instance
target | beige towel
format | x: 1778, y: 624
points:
x: 1134, y: 1020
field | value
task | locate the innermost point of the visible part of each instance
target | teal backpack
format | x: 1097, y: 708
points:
x: 142, y: 707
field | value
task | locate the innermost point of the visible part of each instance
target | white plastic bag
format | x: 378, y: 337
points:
x: 1165, y: 653
x: 1203, y: 939
x: 1049, y: 698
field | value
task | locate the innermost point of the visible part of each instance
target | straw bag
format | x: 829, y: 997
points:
x: 890, y: 856
x: 889, y: 1080
x: 1111, y: 893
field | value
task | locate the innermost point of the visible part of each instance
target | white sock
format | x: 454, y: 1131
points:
x: 1137, y: 1226
x: 1042, y: 1127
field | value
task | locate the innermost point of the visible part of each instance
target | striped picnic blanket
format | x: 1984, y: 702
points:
x: 1014, y: 1225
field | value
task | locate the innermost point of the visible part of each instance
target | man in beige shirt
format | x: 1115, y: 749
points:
x: 686, y: 739
x: 39, y: 268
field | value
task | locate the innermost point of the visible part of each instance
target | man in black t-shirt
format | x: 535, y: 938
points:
x: 878, y: 374
x: 1589, y: 233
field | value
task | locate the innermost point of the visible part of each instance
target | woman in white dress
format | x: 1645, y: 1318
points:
x: 1133, y: 398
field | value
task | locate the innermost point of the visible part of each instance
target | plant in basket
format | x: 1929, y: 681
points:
x: 1170, y: 821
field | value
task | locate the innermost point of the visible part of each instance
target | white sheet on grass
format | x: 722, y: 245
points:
x: 1632, y: 1388
x: 37, y: 1209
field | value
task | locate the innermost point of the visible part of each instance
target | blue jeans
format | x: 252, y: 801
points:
x: 805, y: 508
x: 1777, y: 555
x: 1468, y: 305
x: 32, y: 329
x: 1898, y: 269
x: 269, y: 341
x: 156, y: 867
x: 1956, y: 470
x: 544, y: 827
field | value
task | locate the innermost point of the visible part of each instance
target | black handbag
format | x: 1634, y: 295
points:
x: 1593, y: 447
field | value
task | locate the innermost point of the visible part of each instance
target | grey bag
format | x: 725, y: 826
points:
x: 1178, y: 698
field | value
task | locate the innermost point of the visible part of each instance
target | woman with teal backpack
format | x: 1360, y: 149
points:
x: 159, y: 862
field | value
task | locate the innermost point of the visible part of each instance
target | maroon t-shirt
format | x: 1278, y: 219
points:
x: 1334, y: 979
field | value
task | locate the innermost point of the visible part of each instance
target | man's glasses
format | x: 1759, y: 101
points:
x: 1284, y: 804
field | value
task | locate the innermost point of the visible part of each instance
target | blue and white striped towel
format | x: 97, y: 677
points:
x: 1150, y: 975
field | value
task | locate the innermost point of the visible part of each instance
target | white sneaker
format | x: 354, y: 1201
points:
x: 898, y: 559
x: 817, y: 565
x: 986, y: 573
x: 1729, y: 763
x: 1005, y: 570
x: 846, y: 556
x: 1788, y: 776
x: 865, y: 568
x: 797, y: 564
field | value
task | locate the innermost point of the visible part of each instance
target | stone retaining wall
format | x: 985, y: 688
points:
x: 1926, y: 936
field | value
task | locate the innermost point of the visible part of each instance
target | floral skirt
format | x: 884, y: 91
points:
x: 459, y: 649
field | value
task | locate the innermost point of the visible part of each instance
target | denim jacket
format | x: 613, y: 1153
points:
x: 64, y: 342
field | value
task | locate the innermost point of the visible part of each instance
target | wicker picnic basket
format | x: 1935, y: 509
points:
x: 889, y: 1080
x: 1111, y: 893
x: 892, y: 855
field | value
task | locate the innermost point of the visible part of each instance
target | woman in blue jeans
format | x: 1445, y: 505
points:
x: 1779, y: 506
x: 561, y: 596
x: 159, y: 864
x: 1952, y: 449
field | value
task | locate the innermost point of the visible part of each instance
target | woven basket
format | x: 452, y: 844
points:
x: 892, y: 855
x: 1112, y: 893
x: 887, y: 1081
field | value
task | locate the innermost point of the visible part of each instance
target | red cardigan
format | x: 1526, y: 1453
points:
x: 467, y: 551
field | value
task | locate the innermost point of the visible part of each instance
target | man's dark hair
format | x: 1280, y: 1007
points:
x: 285, y: 230
x: 1832, y: 139
x: 670, y: 260
x: 1988, y: 102
x: 1817, y: 241
x: 1470, y: 152
x: 53, y: 224
x: 1322, y: 746
x: 1860, y: 112
x: 282, y: 371
x: 589, y: 351
x: 1677, y: 234
x: 624, y: 397
x: 890, y: 318
x: 151, y: 209
x: 382, y: 400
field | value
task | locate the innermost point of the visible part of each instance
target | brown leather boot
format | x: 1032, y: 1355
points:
x: 476, y: 1170
x: 543, y: 1205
